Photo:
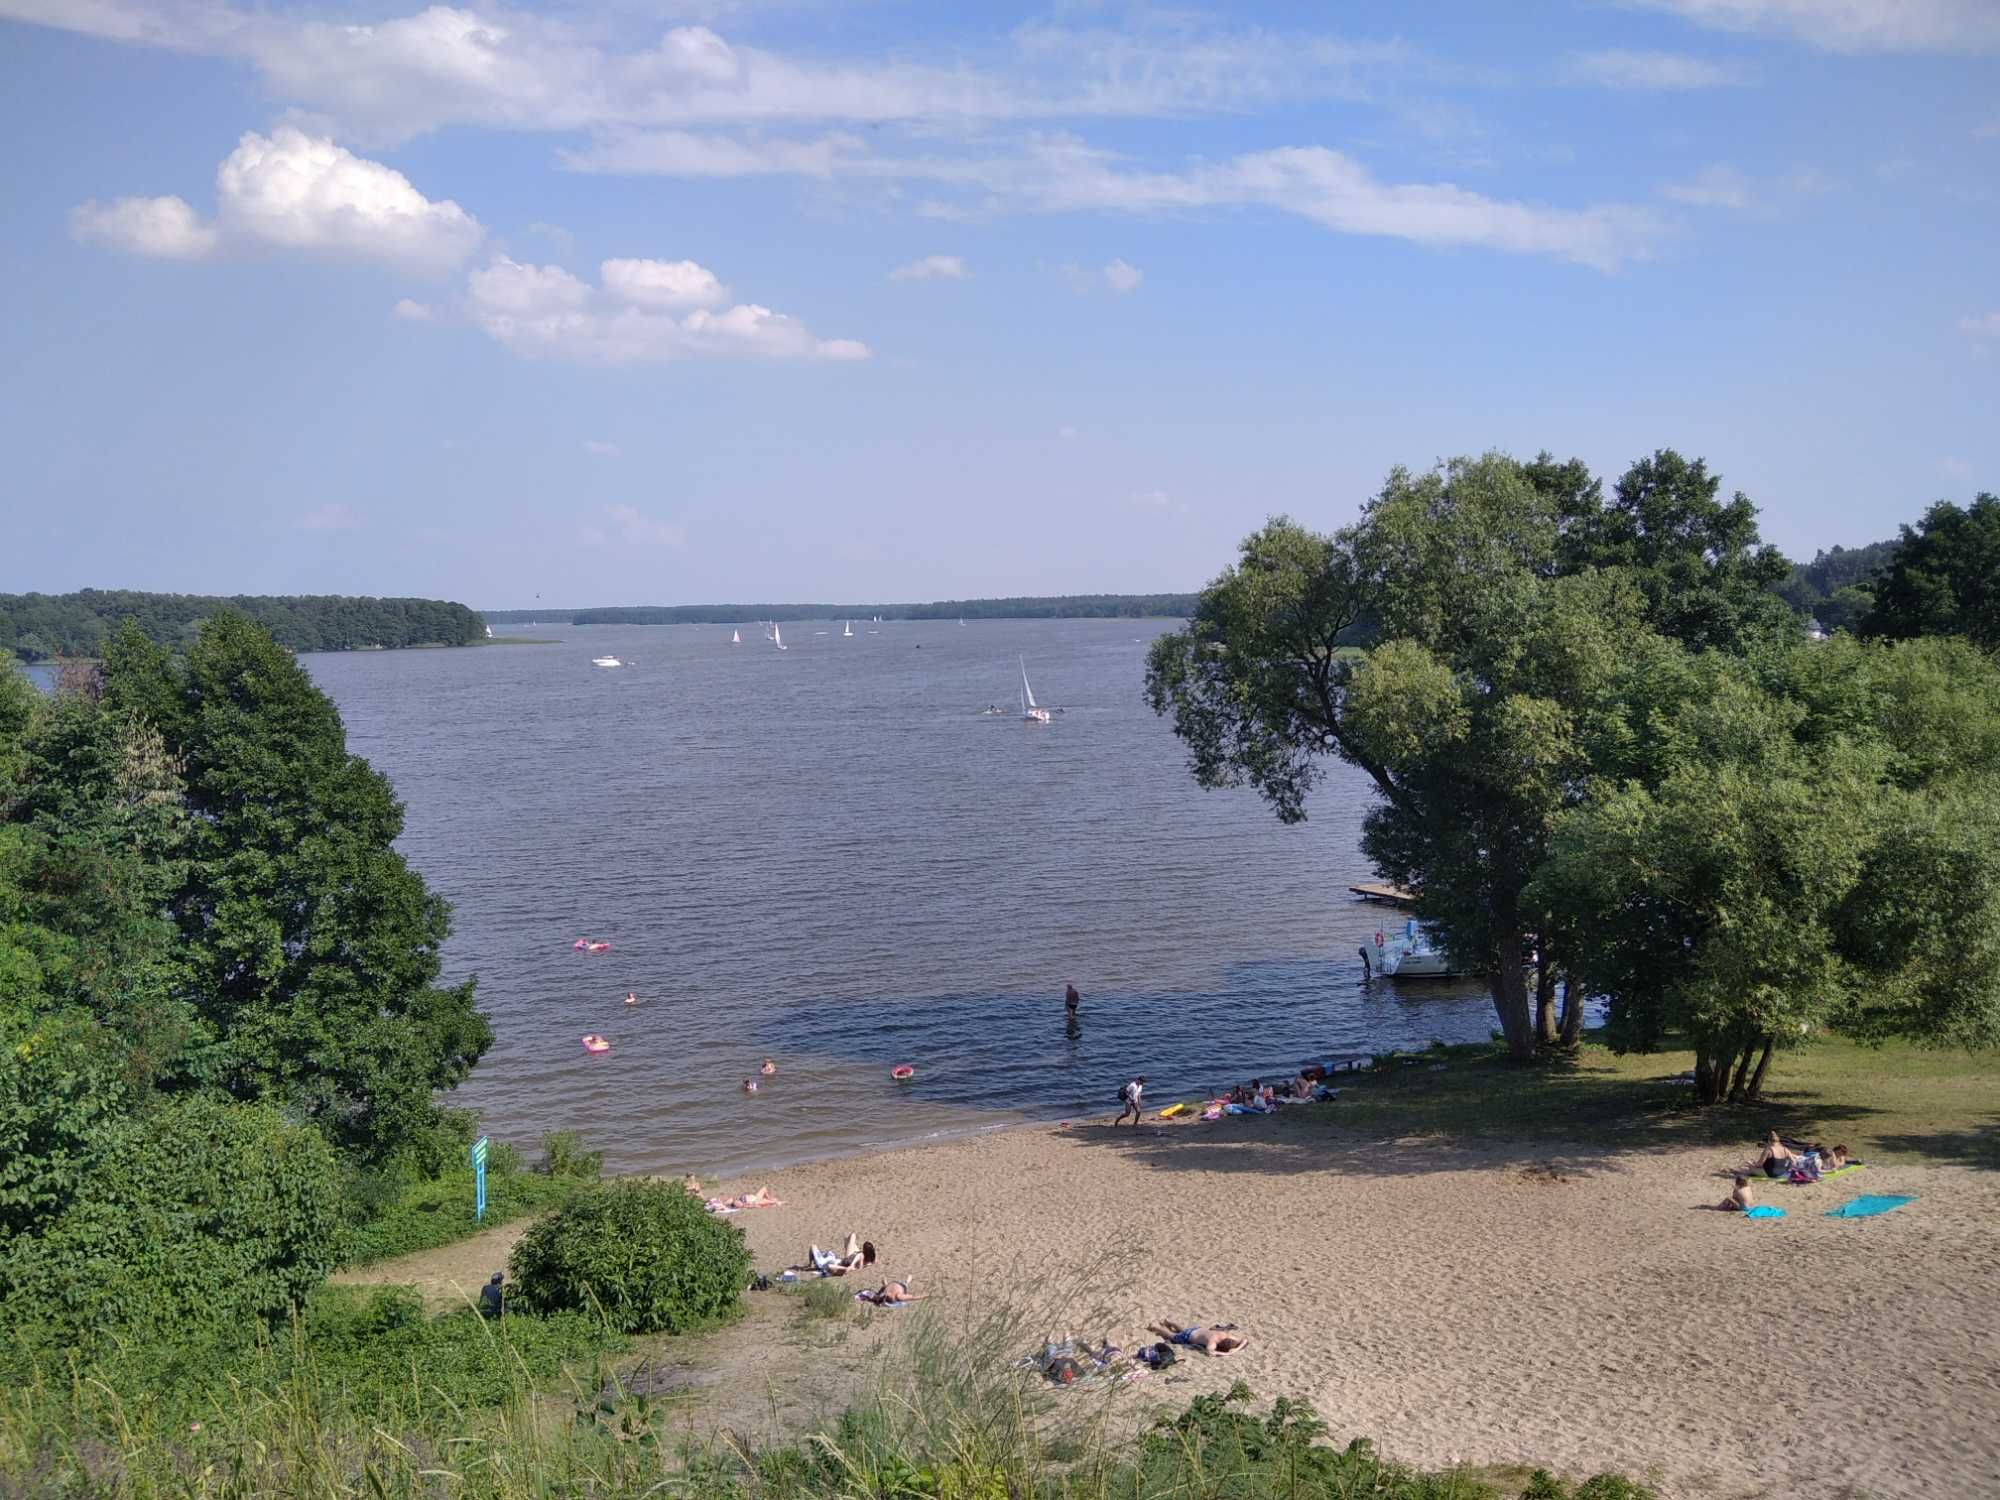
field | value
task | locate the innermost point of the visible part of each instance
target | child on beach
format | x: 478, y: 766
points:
x: 1739, y: 1200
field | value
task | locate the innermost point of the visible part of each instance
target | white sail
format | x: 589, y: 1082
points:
x: 1027, y: 693
x: 777, y: 635
x: 735, y: 637
x: 847, y: 630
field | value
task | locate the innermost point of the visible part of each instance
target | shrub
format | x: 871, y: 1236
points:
x: 203, y: 1214
x: 390, y: 1216
x: 646, y: 1253
x: 563, y: 1156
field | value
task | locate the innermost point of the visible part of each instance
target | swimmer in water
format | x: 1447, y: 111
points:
x: 749, y: 1085
x: 769, y: 1068
x: 631, y: 998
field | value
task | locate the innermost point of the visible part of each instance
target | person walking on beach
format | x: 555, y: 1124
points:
x: 1131, y: 1094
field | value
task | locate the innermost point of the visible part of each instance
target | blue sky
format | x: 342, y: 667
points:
x: 663, y: 302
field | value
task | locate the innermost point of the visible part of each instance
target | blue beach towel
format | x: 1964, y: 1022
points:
x: 1870, y: 1204
x: 1764, y: 1211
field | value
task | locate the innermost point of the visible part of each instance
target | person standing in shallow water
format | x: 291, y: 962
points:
x: 1071, y: 1000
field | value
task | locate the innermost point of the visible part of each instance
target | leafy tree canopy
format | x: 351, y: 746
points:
x: 36, y: 626
x: 1945, y: 579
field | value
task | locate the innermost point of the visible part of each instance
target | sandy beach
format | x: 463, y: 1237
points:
x: 1491, y: 1304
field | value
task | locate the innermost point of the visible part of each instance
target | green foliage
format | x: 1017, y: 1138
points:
x: 563, y: 1155
x: 391, y: 1214
x: 80, y: 624
x: 645, y: 1253
x: 202, y: 1213
x: 312, y: 946
x: 1945, y: 579
x: 832, y: 1301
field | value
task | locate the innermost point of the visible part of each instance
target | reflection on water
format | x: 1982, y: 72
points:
x: 829, y: 856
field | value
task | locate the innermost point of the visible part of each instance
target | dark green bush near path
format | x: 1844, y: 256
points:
x: 395, y: 1216
x: 646, y: 1253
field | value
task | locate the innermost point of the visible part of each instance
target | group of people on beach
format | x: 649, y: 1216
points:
x: 855, y: 1255
x: 1067, y: 1360
x: 1784, y: 1161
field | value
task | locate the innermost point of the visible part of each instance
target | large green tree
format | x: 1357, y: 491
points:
x: 312, y: 947
x: 1777, y: 844
x: 1945, y: 578
x: 1502, y: 597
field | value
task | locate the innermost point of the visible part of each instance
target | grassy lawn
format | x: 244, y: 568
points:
x: 1889, y: 1102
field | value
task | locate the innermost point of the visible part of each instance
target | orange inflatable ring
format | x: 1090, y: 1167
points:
x: 902, y: 1072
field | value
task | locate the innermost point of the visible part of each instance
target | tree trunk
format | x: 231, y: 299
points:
x: 1510, y: 998
x: 1711, y: 1074
x: 1572, y: 1016
x: 1742, y: 1071
x: 1763, y: 1065
x: 1545, y: 996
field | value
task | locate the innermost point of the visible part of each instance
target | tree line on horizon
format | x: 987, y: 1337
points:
x: 1023, y: 607
x: 41, y: 627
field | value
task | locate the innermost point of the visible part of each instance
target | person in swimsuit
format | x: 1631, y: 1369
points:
x: 749, y: 1085
x: 769, y: 1068
x: 692, y: 1183
x: 1071, y: 999
x: 1221, y: 1339
x: 1739, y: 1200
x: 1776, y: 1159
x: 891, y: 1292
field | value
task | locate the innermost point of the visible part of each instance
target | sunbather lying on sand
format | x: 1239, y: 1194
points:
x: 760, y: 1199
x: 890, y: 1293
x: 1221, y: 1339
x: 854, y: 1254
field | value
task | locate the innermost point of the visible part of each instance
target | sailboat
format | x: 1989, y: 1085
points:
x: 847, y: 631
x: 1030, y: 712
x: 961, y: 622
x: 735, y: 637
x: 778, y: 635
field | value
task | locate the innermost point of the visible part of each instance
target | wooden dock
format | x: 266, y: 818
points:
x: 1388, y: 895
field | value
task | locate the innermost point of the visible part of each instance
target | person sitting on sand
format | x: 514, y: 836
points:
x: 1776, y: 1159
x: 1739, y: 1200
x: 1221, y: 1339
x: 692, y: 1183
x: 769, y: 1068
x: 892, y: 1292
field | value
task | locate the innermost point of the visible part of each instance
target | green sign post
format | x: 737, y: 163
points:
x: 479, y: 1178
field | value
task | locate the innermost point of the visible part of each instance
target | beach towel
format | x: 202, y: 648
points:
x: 1870, y: 1204
x: 1764, y: 1211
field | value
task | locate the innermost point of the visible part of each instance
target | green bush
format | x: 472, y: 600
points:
x: 389, y: 1215
x: 646, y: 1253
x: 201, y: 1214
x: 563, y: 1156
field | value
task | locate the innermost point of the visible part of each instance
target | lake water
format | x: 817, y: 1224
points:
x: 826, y: 855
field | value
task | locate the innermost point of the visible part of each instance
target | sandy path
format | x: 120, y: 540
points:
x: 1452, y: 1303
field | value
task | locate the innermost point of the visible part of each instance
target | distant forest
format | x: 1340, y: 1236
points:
x: 36, y: 627
x: 1060, y: 607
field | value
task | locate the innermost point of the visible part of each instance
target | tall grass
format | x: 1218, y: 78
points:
x: 951, y: 1416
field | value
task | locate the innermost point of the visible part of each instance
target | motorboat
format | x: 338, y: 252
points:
x: 1413, y: 953
x: 606, y: 661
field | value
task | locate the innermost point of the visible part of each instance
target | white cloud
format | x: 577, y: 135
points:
x: 1986, y: 326
x: 1123, y: 278
x: 334, y: 517
x: 597, y: 449
x: 414, y: 312
x: 162, y: 228
x: 1618, y: 68
x: 684, y: 153
x: 514, y: 69
x: 292, y: 191
x: 663, y: 284
x: 1723, y: 186
x: 1854, y: 25
x: 632, y: 316
x: 632, y: 528
x: 1711, y: 187
x: 932, y: 268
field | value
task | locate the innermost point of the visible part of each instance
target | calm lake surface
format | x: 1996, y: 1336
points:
x: 827, y: 856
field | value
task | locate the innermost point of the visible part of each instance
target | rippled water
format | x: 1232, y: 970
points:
x: 826, y: 855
